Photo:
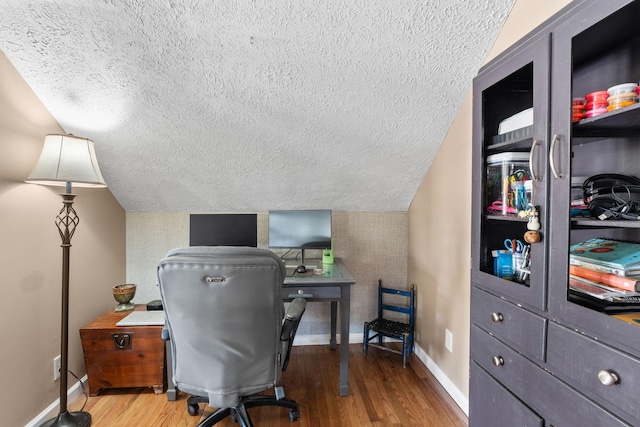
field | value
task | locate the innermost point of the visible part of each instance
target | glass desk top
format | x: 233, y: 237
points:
x: 336, y: 273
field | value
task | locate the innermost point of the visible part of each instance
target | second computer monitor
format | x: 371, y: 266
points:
x: 300, y: 229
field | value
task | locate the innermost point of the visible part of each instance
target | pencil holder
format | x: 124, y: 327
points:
x: 503, y: 265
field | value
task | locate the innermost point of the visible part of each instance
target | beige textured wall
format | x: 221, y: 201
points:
x: 31, y: 258
x: 440, y: 224
x: 372, y: 244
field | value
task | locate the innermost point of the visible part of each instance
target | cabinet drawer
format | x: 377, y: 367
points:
x: 532, y: 384
x: 501, y: 361
x: 512, y: 324
x: 310, y: 292
x: 509, y: 410
x: 583, y: 360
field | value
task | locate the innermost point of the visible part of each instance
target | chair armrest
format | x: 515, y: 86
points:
x: 290, y: 326
x: 292, y: 318
x: 165, y: 334
x: 296, y: 309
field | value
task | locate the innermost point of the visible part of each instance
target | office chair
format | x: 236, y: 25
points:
x: 395, y: 329
x: 228, y: 333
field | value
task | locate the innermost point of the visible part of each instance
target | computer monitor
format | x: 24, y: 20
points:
x: 223, y: 230
x: 300, y: 229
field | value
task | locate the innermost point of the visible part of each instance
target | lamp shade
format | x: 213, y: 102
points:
x: 67, y: 159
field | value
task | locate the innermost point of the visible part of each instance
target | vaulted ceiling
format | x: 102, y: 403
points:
x: 251, y: 105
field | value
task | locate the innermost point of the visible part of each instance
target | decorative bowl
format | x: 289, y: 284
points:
x: 124, y: 294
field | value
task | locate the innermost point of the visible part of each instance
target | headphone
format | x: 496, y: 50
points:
x: 612, y: 196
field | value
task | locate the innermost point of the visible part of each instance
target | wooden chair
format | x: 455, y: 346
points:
x: 394, y: 329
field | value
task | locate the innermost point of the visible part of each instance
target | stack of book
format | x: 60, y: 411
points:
x: 605, y: 274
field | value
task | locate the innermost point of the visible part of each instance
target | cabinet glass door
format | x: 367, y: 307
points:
x: 510, y: 157
x: 592, y: 60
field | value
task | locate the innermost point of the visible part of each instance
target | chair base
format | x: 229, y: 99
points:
x: 239, y: 413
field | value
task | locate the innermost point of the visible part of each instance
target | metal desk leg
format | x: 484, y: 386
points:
x: 345, y: 306
x: 334, y: 315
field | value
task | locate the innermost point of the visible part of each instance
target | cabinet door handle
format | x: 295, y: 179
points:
x: 534, y: 173
x: 552, y: 162
x: 608, y: 378
x: 497, y: 361
x: 497, y: 317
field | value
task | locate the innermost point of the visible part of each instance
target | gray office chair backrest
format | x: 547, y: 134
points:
x: 224, y: 314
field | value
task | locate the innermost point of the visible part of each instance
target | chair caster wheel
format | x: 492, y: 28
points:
x: 294, y: 415
x: 193, y: 409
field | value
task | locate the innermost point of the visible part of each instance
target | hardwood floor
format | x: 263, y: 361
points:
x: 381, y: 393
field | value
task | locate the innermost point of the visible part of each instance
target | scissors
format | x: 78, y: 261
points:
x: 514, y: 245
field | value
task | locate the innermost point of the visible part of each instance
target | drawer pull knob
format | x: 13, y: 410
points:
x: 608, y: 378
x: 497, y: 360
x: 300, y: 291
x: 497, y: 317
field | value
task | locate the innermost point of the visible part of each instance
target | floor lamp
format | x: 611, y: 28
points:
x: 67, y: 160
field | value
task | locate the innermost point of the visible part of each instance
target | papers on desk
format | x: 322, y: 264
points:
x: 143, y: 318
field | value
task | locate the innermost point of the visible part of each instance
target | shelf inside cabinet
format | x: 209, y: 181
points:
x: 509, y: 218
x: 513, y: 144
x: 596, y: 223
x: 622, y: 122
x: 513, y: 136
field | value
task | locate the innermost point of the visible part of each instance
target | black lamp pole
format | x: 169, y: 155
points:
x: 66, y: 221
x: 65, y: 159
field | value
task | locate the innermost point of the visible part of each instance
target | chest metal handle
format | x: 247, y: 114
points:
x: 123, y: 340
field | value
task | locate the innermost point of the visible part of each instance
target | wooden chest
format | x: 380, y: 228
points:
x: 123, y: 356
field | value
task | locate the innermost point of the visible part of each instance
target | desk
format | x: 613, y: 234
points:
x: 333, y: 285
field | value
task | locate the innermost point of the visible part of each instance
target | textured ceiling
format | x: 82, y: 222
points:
x: 254, y: 105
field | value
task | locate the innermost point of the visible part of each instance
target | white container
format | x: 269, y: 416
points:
x: 517, y: 121
x: 508, y: 183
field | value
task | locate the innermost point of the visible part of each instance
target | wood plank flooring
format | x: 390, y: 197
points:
x: 381, y: 393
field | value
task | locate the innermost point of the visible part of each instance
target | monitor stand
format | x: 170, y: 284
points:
x: 303, y: 261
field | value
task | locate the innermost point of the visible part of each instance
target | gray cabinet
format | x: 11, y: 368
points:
x: 600, y: 50
x: 519, y: 83
x: 540, y: 356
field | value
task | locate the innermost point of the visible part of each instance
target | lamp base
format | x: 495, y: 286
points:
x: 69, y: 419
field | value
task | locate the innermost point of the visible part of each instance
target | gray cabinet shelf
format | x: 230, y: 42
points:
x: 617, y: 123
x: 531, y: 342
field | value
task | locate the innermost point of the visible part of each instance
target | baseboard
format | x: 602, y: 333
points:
x: 52, y: 410
x: 461, y: 400
x: 322, y: 339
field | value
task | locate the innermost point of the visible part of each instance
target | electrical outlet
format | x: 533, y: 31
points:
x: 56, y: 368
x: 448, y: 340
